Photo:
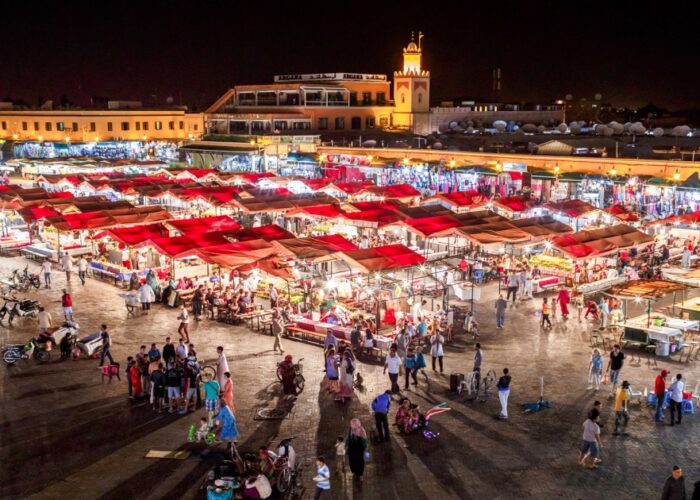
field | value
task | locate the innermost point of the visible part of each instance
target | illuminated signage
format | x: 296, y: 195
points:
x: 317, y: 77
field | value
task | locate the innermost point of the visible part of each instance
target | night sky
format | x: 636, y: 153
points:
x: 629, y: 52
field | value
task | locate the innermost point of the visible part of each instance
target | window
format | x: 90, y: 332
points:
x: 353, y: 98
x: 138, y: 125
x: 109, y: 126
x: 181, y: 125
x: 403, y: 98
x: 4, y: 125
x: 159, y: 125
x: 125, y: 126
x: 369, y: 122
x: 74, y: 126
x: 60, y: 126
x: 36, y: 126
x: 420, y: 98
x: 381, y: 98
x: 93, y: 126
x: 196, y: 127
x: 171, y: 125
x: 24, y: 126
x: 145, y: 125
x: 366, y: 98
x: 48, y: 126
x: 356, y: 123
x: 323, y: 123
x: 340, y: 123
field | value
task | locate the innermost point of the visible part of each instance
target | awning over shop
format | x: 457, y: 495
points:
x: 380, y: 258
x: 458, y: 199
x: 690, y: 219
x: 31, y: 214
x: 137, y: 235
x: 646, y: 289
x: 204, y: 224
x: 622, y: 213
x: 513, y: 203
x: 599, y: 242
x: 104, y: 219
x: 542, y: 227
x: 392, y: 192
x: 571, y: 208
x: 314, y: 248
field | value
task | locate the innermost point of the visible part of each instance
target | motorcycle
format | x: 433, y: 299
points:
x: 24, y: 308
x: 32, y: 349
x: 22, y: 282
x: 298, y: 368
x: 7, y: 307
x: 32, y: 279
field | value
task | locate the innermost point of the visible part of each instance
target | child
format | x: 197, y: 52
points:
x: 340, y: 454
x: 369, y: 341
x: 203, y: 429
x: 420, y: 362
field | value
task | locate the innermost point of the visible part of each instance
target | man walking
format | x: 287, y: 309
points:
x: 436, y: 352
x: 277, y: 330
x: 512, y: 284
x: 621, y: 409
x: 67, y: 265
x: 184, y: 318
x: 46, y: 271
x: 380, y: 407
x: 67, y: 303
x: 503, y: 393
x: 478, y: 357
x: 617, y: 359
x: 660, y: 392
x: 674, y: 487
x: 676, y: 398
x: 501, y: 306
x: 82, y: 269
x: 393, y: 365
x: 106, y: 343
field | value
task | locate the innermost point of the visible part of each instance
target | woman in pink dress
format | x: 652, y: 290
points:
x: 564, y: 298
x: 228, y: 391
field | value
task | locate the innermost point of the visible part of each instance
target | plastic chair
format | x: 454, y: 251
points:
x: 687, y: 406
x: 478, y: 276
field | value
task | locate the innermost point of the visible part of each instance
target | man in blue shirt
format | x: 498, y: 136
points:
x: 380, y: 407
x: 322, y: 480
x: 154, y: 353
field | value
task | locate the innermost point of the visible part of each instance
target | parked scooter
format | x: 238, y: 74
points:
x: 24, y: 308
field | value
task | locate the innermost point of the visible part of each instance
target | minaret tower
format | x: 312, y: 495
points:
x: 412, y: 90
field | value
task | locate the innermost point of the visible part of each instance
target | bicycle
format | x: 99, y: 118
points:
x: 295, y: 489
x: 475, y: 383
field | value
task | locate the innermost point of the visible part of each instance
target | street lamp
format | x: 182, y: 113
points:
x: 452, y: 163
x: 556, y: 169
x: 676, y: 175
x: 613, y: 172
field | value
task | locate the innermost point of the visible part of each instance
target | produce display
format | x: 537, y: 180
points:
x: 546, y: 261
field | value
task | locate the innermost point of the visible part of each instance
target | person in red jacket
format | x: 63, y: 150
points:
x: 660, y: 391
x: 564, y: 299
x: 67, y: 303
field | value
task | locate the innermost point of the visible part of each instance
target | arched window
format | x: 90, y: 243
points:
x: 403, y: 98
x: 420, y: 98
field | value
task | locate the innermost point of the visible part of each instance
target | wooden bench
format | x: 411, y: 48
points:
x: 307, y: 335
x: 104, y: 273
x: 31, y: 254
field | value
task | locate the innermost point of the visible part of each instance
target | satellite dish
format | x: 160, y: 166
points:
x: 597, y: 97
x: 170, y: 100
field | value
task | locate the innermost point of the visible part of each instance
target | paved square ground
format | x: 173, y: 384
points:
x: 65, y: 434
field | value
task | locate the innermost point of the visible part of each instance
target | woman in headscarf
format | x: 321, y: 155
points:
x: 355, y: 447
x: 332, y: 368
x: 229, y: 428
x: 153, y: 282
x: 347, y: 372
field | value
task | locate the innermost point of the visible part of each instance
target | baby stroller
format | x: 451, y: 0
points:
x: 90, y: 345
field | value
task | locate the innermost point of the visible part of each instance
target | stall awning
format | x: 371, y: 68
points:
x: 600, y: 242
x: 513, y: 203
x: 104, y: 219
x: 314, y: 248
x: 458, y: 199
x: 690, y: 219
x: 137, y: 235
x: 571, y: 208
x: 380, y: 258
x: 620, y: 212
x: 392, y: 192
x: 646, y: 289
x: 204, y: 224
